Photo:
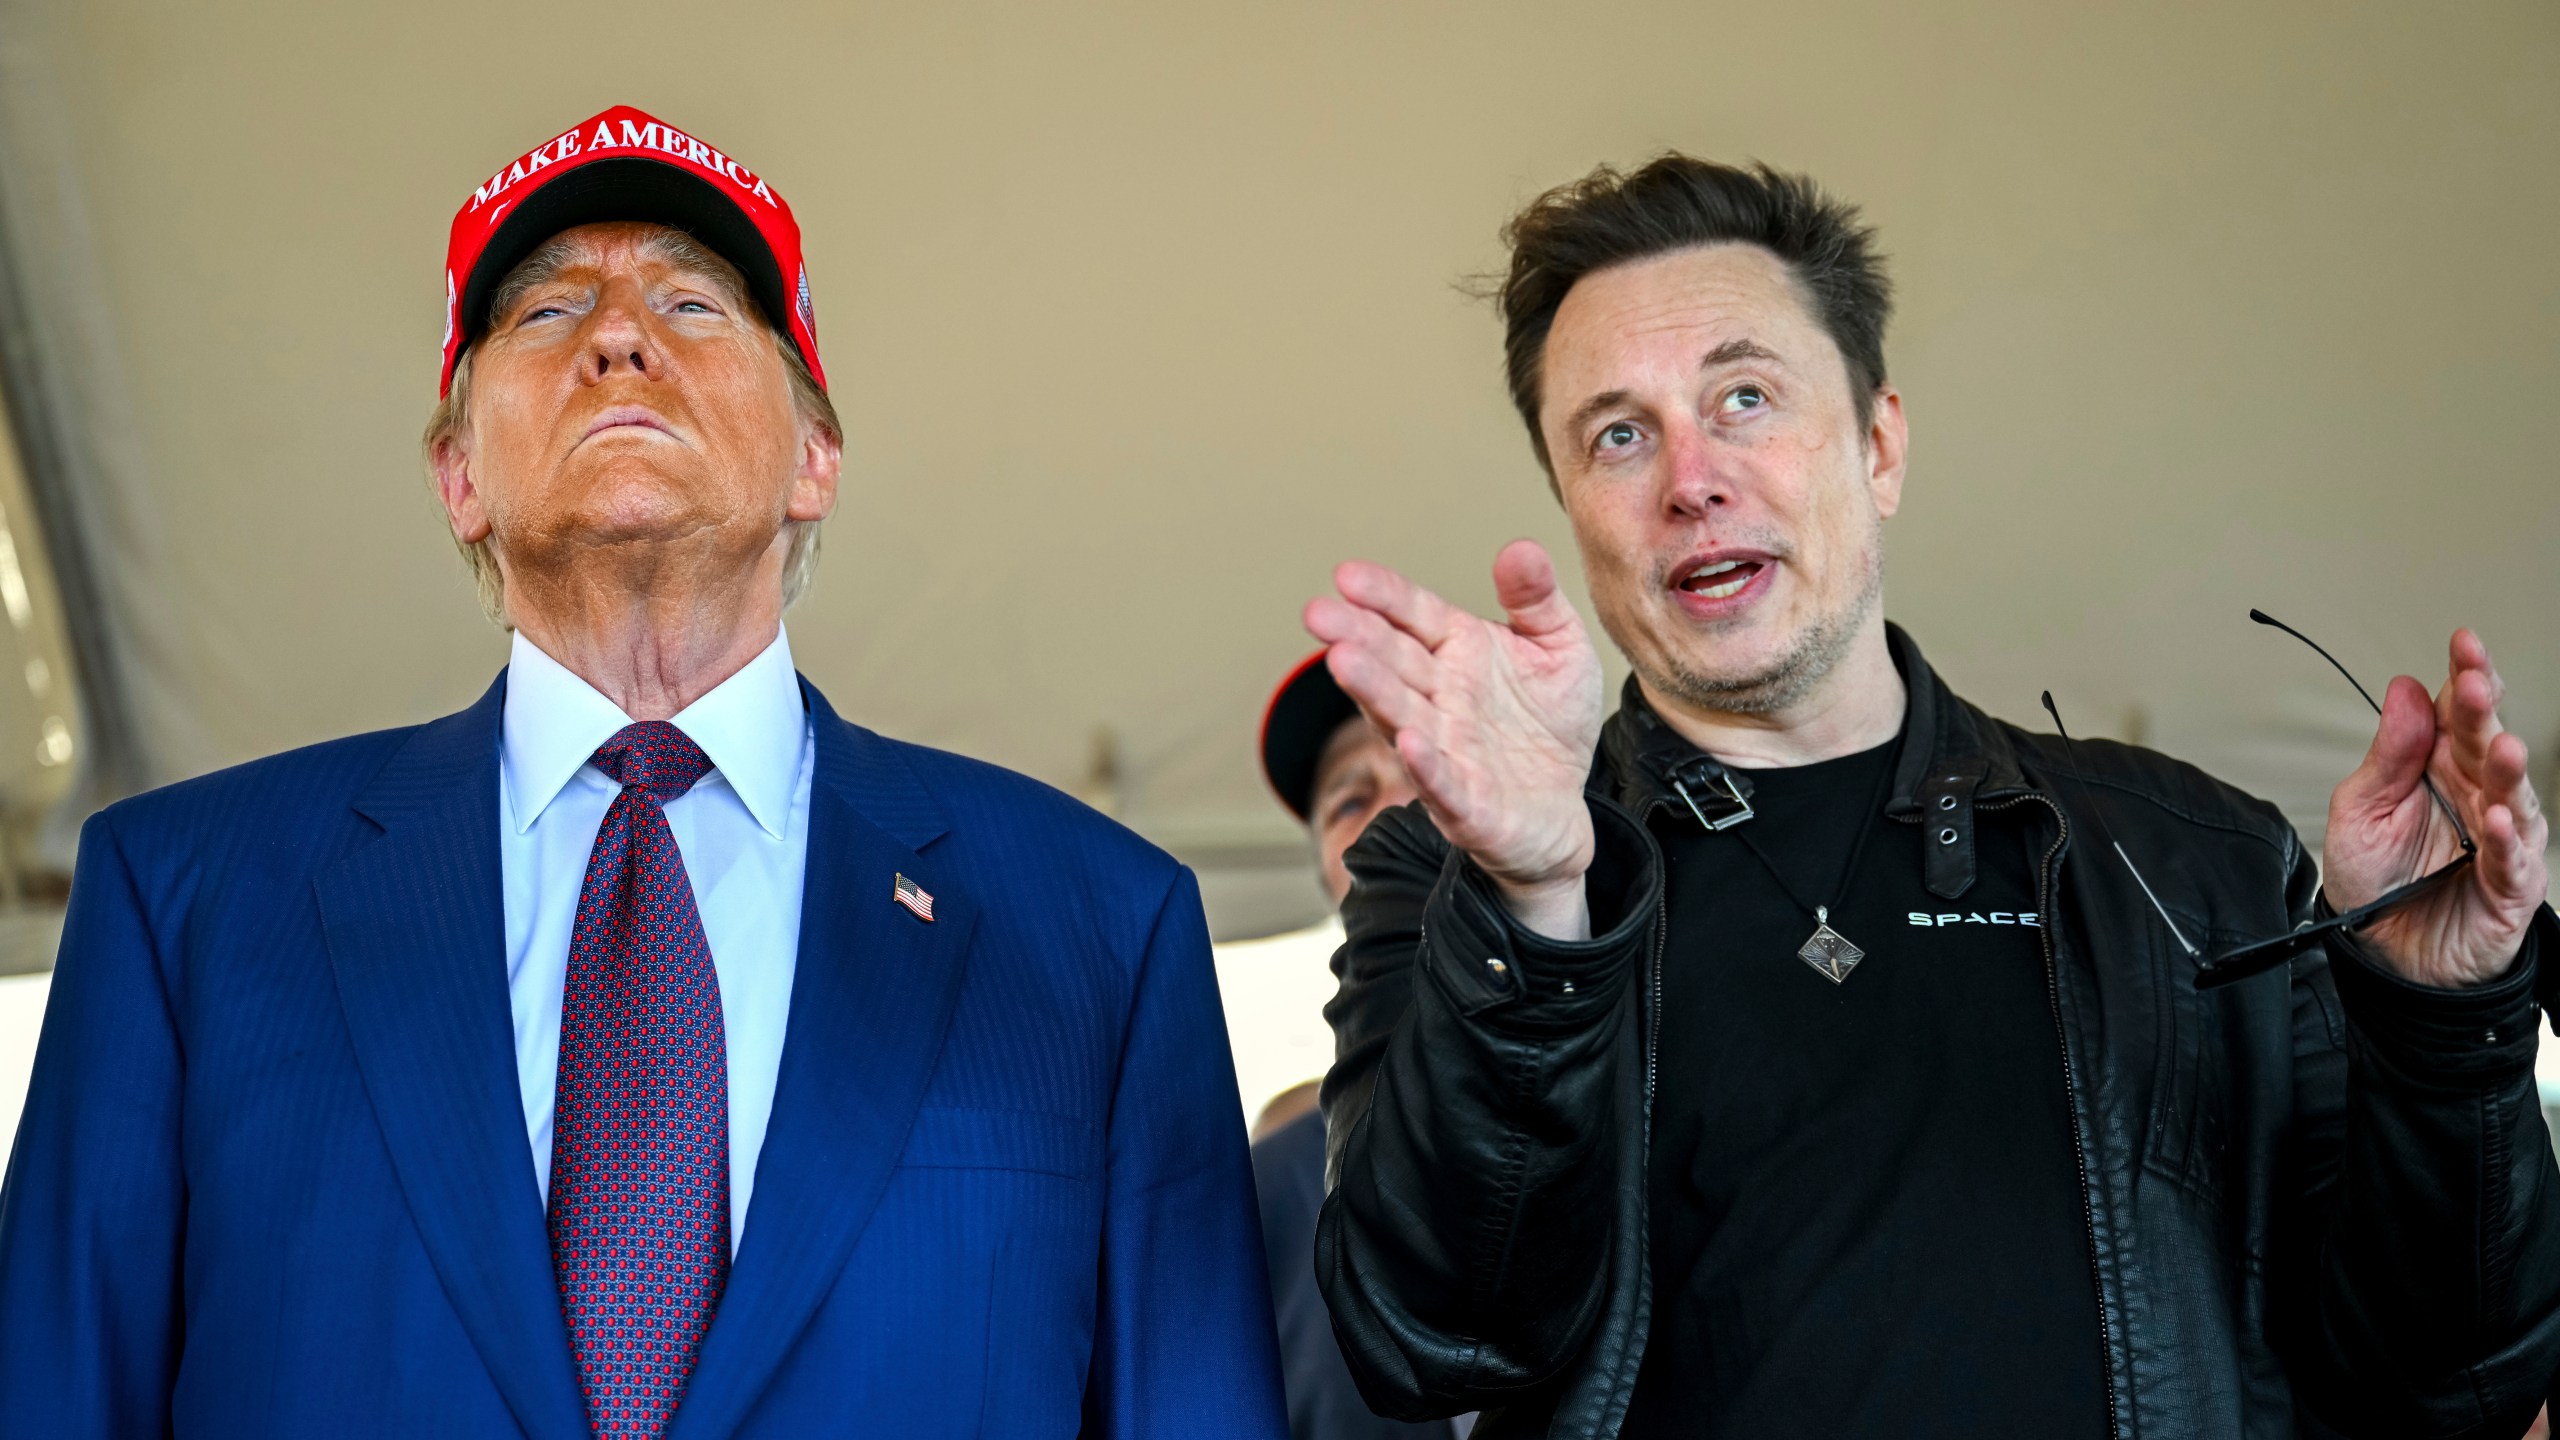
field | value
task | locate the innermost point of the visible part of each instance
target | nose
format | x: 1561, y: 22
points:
x: 619, y: 338
x: 1693, y: 485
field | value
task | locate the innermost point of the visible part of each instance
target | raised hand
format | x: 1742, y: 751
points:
x: 2383, y: 830
x: 1495, y: 722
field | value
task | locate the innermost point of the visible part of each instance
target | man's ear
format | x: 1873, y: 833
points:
x: 1888, y: 449
x: 451, y: 460
x: 813, y: 488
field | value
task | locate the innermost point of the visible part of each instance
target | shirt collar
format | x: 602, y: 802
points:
x: 752, y: 725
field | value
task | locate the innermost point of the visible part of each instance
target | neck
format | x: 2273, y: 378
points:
x: 651, y: 649
x: 1857, y: 706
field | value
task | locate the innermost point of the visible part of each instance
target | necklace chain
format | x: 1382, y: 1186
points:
x: 1828, y: 951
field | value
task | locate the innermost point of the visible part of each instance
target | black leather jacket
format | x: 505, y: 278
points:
x: 2318, y: 1197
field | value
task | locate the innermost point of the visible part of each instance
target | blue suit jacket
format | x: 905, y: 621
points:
x: 272, y: 1178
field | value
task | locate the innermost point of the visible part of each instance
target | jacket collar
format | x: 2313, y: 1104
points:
x: 417, y: 943
x: 1640, y: 754
x: 1953, y: 736
x: 1953, y: 756
x: 416, y: 934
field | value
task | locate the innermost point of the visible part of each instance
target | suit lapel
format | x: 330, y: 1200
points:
x: 871, y: 999
x: 417, y: 936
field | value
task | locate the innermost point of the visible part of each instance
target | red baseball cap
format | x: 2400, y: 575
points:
x: 1302, y: 718
x: 625, y: 165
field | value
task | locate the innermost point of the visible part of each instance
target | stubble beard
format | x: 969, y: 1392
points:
x: 1787, y: 679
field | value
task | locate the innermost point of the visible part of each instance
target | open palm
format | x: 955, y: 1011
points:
x: 1496, y: 722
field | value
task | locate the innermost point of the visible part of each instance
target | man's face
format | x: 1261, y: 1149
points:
x: 1357, y: 777
x: 630, y: 404
x: 1728, y: 503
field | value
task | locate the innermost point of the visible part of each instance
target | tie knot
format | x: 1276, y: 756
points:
x: 654, y: 756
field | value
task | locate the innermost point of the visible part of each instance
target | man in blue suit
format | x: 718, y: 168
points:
x: 643, y: 1050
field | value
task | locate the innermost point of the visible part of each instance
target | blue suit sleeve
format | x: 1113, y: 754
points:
x: 94, y: 1206
x: 1182, y: 1341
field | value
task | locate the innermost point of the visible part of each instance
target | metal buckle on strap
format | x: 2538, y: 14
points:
x: 1725, y: 796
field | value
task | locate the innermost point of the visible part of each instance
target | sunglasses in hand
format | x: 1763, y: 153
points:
x: 2239, y: 962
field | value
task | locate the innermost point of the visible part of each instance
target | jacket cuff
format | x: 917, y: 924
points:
x: 2483, y: 1032
x: 1493, y: 966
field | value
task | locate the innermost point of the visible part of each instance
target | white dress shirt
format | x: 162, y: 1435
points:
x: 744, y: 832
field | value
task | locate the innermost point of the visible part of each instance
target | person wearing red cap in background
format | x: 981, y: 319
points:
x: 643, y: 1050
x: 1335, y: 773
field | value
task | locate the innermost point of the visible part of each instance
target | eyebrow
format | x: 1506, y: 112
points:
x: 1724, y: 354
x: 1732, y: 350
x: 679, y: 251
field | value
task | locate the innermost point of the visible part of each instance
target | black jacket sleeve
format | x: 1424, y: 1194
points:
x: 2424, y: 1298
x: 1480, y: 1163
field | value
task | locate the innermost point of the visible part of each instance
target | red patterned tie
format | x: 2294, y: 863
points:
x: 640, y: 1131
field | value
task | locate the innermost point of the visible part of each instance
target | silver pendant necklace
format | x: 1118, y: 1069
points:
x: 1829, y: 952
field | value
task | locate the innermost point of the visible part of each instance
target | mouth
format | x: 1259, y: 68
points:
x: 1723, y: 578
x: 627, y: 417
x: 1713, y: 586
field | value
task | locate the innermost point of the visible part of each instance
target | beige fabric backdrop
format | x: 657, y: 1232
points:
x: 1142, y: 314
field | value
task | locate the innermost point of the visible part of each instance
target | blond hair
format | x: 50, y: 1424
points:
x: 452, y: 414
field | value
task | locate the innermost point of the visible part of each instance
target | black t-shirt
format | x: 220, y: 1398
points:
x: 1867, y: 1217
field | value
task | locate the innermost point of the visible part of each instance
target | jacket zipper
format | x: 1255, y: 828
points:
x: 2045, y: 895
x: 1653, y: 1021
x: 1644, y: 1155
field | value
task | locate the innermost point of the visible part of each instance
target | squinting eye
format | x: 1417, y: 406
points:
x: 1745, y: 397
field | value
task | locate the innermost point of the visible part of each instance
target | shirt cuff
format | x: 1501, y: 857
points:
x: 2479, y: 1032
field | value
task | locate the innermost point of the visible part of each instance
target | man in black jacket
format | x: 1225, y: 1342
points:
x: 1803, y: 1051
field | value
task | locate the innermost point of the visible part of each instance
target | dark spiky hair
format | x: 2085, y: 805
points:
x: 1675, y: 202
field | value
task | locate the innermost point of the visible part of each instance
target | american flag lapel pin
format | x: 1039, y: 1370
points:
x: 914, y: 897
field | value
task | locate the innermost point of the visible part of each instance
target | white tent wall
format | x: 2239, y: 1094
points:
x: 1143, y: 314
